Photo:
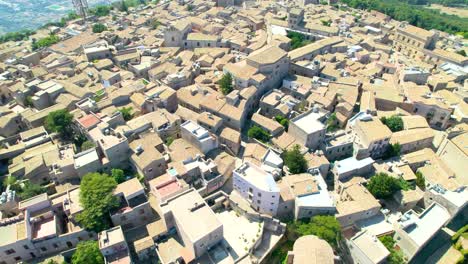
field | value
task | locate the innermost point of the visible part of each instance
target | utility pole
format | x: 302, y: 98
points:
x: 81, y: 8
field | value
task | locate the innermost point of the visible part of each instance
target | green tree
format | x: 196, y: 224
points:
x: 169, y: 140
x: 87, y: 252
x: 393, y: 150
x: 462, y: 52
x: 123, y: 6
x: 101, y: 10
x: 16, y: 36
x: 297, y: 40
x: 258, y: 133
x: 294, y: 160
x: 45, y: 42
x: 394, y: 123
x: 60, y: 121
x: 118, y: 175
x: 155, y: 24
x: 98, y: 28
x: 325, y: 227
x: 10, y: 180
x: 97, y: 199
x: 326, y: 23
x: 225, y: 83
x: 383, y: 186
x: 332, y: 123
x: 420, y: 180
x: 126, y: 113
x: 87, y: 145
x: 395, y: 257
x: 29, y: 190
x: 283, y: 121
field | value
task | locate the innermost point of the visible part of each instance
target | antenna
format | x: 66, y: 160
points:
x: 81, y: 7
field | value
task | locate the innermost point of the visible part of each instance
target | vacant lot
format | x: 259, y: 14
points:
x: 458, y: 11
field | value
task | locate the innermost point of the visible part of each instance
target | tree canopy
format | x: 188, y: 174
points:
x: 225, y: 83
x: 325, y: 227
x: 420, y: 180
x: 59, y: 121
x: 297, y: 40
x: 332, y: 123
x: 283, y: 121
x: 395, y: 257
x: 126, y: 113
x: 101, y: 10
x: 99, y: 27
x: 383, y: 186
x: 393, y: 150
x: 97, y: 199
x: 87, y: 145
x: 258, y: 133
x: 118, y: 175
x: 394, y: 123
x: 415, y: 15
x: 45, y: 42
x: 87, y: 252
x: 294, y: 160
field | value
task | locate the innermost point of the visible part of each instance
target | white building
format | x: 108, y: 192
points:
x: 198, y: 136
x: 309, y: 128
x: 366, y: 248
x: 258, y: 187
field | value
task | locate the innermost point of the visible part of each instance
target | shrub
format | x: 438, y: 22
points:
x: 294, y: 160
x: 258, y: 133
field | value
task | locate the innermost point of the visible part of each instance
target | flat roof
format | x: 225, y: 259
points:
x: 351, y: 163
x: 193, y: 215
x: 310, y: 122
x: 421, y: 228
x: 257, y: 176
x: 371, y: 246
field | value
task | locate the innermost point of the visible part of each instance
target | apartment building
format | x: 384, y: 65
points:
x: 113, y: 246
x: 199, y: 136
x: 413, y: 140
x: 371, y: 137
x: 195, y: 222
x: 147, y: 157
x: 42, y: 228
x: 454, y: 153
x: 134, y: 208
x: 304, y: 195
x: 309, y: 128
x: 113, y: 145
x: 257, y: 187
x: 411, y: 40
x: 355, y: 202
x: 264, y: 68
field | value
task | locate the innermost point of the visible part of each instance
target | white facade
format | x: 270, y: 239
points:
x: 258, y: 187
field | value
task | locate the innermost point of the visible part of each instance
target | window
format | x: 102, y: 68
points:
x: 80, y: 239
x: 258, y: 201
x: 18, y: 258
x: 250, y: 189
x: 26, y: 247
x: 69, y: 244
x: 32, y: 255
x: 10, y: 251
x: 259, y: 194
x: 44, y: 249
